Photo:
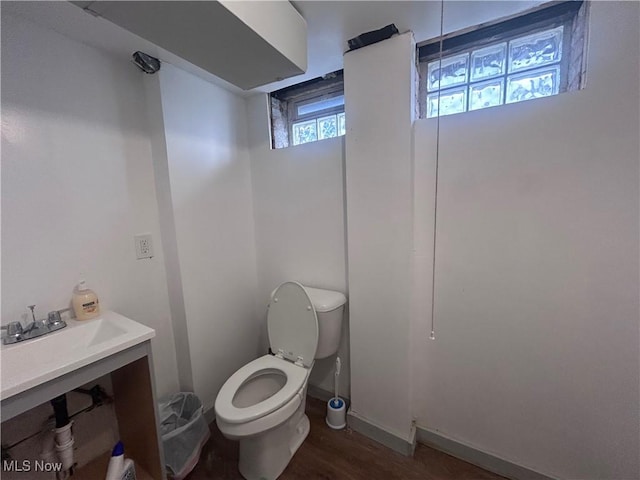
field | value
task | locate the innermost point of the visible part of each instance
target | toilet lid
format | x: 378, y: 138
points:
x: 292, y: 323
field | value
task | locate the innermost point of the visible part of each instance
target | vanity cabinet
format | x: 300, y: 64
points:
x: 124, y: 353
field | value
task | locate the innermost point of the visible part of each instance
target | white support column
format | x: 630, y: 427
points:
x: 380, y: 105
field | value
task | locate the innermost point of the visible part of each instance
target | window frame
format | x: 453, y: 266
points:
x: 323, y: 88
x: 334, y: 91
x: 545, y: 17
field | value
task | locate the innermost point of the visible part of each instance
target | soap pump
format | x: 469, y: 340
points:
x: 85, y: 301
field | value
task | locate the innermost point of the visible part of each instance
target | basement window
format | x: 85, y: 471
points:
x: 309, y: 111
x: 535, y: 55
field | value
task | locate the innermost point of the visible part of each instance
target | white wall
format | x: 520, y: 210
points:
x: 205, y: 134
x: 77, y: 184
x: 298, y: 197
x: 380, y: 236
x: 168, y: 231
x: 536, y: 356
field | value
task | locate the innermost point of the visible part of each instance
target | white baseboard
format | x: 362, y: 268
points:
x: 427, y: 437
x: 322, y: 394
x: 477, y: 457
x: 380, y: 435
x: 367, y: 428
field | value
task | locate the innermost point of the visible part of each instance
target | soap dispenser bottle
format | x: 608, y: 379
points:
x: 85, y: 302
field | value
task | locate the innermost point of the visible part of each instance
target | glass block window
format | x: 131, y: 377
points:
x: 324, y: 127
x: 304, y: 132
x: 308, y: 112
x: 538, y: 54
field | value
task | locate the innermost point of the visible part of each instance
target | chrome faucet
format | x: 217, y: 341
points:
x: 16, y: 333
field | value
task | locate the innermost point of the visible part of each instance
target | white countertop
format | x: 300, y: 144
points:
x: 27, y: 364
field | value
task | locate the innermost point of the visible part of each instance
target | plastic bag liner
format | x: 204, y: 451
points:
x: 184, y: 432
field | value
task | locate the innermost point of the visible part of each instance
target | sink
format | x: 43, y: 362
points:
x: 104, y: 332
x: 33, y: 362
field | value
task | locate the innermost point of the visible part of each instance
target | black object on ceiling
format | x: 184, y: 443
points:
x: 373, y: 36
x: 146, y: 63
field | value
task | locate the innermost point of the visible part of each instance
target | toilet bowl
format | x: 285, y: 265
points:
x: 262, y: 404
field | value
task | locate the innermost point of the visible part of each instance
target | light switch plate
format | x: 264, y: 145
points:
x: 144, y: 246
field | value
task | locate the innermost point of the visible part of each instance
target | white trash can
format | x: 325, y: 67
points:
x: 184, y: 431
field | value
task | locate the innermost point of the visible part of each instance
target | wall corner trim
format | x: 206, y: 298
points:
x: 382, y: 436
x: 478, y: 457
x: 209, y: 415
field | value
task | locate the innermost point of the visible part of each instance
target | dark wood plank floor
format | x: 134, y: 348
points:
x: 327, y: 455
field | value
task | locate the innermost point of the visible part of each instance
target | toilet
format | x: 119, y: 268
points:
x: 262, y: 404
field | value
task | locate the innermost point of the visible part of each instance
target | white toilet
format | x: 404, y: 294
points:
x: 262, y: 404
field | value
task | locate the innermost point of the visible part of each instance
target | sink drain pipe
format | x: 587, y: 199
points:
x: 63, y: 435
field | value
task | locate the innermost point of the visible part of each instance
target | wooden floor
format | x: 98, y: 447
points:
x: 327, y: 454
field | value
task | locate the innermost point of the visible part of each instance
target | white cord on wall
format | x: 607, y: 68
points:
x: 432, y: 336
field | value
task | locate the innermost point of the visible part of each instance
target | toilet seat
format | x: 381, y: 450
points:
x: 296, y: 377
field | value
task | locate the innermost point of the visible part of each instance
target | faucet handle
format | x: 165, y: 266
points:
x: 14, y: 329
x: 53, y: 318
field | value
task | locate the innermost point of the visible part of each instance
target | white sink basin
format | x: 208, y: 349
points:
x: 27, y: 364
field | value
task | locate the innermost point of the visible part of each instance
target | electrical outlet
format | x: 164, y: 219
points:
x: 144, y: 246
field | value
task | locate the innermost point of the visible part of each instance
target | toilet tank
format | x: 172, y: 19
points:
x: 329, y: 307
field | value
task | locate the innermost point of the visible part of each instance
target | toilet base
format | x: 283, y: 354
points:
x: 265, y: 456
